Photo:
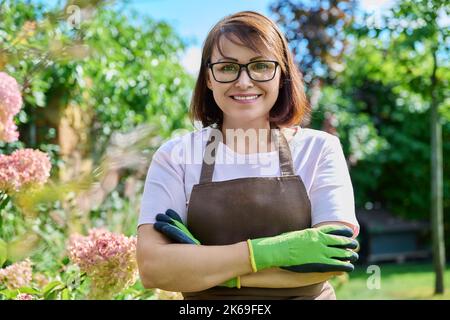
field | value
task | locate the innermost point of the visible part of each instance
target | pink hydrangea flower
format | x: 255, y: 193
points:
x: 17, y: 275
x: 10, y: 104
x: 24, y: 296
x: 23, y: 168
x: 108, y: 259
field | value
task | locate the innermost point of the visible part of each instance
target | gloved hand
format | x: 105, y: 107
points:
x: 322, y: 249
x: 338, y: 236
x: 171, y: 225
x: 339, y: 231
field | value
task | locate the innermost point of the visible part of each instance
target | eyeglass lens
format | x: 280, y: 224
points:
x: 258, y: 71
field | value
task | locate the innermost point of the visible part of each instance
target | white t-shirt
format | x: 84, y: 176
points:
x: 317, y: 158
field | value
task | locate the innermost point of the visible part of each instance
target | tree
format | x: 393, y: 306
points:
x: 82, y: 84
x: 420, y: 51
x: 394, y: 76
x: 315, y: 31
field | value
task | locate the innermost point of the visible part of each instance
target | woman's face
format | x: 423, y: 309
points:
x: 259, y: 96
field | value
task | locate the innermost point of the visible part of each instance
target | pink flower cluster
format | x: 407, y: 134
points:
x: 23, y: 168
x: 108, y: 259
x: 17, y: 275
x: 24, y: 296
x: 10, y: 104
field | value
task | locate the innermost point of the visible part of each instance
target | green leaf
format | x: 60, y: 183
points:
x: 9, y: 294
x: 52, y: 295
x: 51, y: 289
x: 65, y: 295
x: 3, y: 252
x: 29, y: 290
x: 4, y: 200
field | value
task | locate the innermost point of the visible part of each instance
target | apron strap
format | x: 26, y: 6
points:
x: 208, y: 167
x: 284, y: 153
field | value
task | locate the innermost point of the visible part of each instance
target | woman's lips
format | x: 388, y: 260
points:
x: 246, y: 99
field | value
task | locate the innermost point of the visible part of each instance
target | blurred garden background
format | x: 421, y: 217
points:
x: 89, y: 89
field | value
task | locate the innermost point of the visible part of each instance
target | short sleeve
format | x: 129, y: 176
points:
x: 164, y: 186
x: 331, y: 194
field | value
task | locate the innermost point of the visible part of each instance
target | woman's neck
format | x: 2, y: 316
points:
x: 246, y: 138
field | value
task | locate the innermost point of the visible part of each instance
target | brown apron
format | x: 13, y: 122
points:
x: 231, y: 211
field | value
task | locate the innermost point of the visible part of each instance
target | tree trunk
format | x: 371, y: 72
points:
x: 437, y: 218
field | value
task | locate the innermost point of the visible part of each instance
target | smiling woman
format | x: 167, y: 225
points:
x: 253, y: 45
x: 245, y: 98
x: 273, y: 229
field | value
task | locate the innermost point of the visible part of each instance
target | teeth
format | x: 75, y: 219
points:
x: 245, y: 97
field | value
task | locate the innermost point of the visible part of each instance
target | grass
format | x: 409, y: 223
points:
x: 409, y: 281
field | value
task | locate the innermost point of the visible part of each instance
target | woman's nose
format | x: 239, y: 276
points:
x: 244, y: 80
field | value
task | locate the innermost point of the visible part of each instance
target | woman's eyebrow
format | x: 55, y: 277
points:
x: 234, y: 59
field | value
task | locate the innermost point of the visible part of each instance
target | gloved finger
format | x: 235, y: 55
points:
x: 173, y: 233
x: 352, y: 258
x: 337, y: 230
x: 161, y: 217
x: 166, y: 219
x: 342, y: 254
x: 334, y: 266
x: 341, y: 265
x: 231, y: 283
x: 340, y: 242
x: 351, y: 245
x: 180, y: 226
x: 175, y: 220
x: 304, y: 268
x: 186, y: 231
x: 174, y: 215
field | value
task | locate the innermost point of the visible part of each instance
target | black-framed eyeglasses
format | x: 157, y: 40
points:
x: 261, y: 70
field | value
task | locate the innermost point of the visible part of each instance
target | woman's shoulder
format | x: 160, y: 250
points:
x: 184, y: 138
x: 313, y: 138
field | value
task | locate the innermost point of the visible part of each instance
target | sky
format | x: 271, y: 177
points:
x: 194, y: 18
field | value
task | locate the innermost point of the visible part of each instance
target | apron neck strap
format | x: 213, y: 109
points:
x: 284, y: 153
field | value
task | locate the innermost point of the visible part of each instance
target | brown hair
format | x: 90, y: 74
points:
x: 252, y: 28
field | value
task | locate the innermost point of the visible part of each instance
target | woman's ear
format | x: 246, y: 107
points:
x: 208, y: 81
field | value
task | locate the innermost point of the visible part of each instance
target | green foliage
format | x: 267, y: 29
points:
x: 134, y: 75
x: 3, y: 252
x: 122, y: 75
x: 125, y: 74
x: 384, y: 96
x: 386, y: 128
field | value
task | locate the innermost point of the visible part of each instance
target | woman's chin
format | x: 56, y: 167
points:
x: 243, y: 116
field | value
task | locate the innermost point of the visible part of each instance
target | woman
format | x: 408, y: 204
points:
x: 267, y: 217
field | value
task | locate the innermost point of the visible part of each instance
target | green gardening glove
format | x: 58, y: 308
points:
x: 308, y: 250
x: 171, y: 225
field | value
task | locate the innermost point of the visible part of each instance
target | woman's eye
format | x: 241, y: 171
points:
x: 229, y: 68
x: 261, y: 66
